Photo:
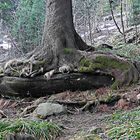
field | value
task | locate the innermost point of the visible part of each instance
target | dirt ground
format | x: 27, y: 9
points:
x: 78, y: 123
x: 75, y: 122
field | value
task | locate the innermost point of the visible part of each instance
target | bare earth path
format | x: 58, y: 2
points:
x: 78, y: 123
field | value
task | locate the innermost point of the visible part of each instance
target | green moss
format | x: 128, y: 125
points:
x: 102, y: 62
x: 106, y: 62
x: 68, y: 50
x: 86, y: 65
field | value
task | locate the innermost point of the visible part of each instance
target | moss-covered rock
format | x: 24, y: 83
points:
x: 102, y: 62
x: 122, y: 70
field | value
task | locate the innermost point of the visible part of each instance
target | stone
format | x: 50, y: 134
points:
x: 47, y: 109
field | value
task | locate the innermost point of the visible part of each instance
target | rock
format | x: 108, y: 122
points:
x: 46, y: 109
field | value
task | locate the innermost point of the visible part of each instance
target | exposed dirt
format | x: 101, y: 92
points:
x: 74, y: 121
x: 78, y: 123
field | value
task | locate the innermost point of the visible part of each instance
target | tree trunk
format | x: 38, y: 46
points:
x: 60, y: 36
x: 122, y: 21
x: 39, y: 86
x: 112, y: 13
x: 60, y: 46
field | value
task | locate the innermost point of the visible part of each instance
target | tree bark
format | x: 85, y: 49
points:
x: 60, y: 35
x: 39, y: 86
x: 122, y: 22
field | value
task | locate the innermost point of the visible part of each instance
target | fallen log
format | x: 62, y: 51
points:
x: 39, y: 86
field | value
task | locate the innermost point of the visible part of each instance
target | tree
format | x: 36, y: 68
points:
x: 135, y: 16
x: 60, y: 35
x: 134, y: 12
x: 7, y: 9
x: 112, y: 13
x: 122, y: 21
x: 64, y: 60
x: 28, y: 24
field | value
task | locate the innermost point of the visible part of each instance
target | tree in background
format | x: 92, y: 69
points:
x: 134, y: 12
x: 28, y: 24
x: 87, y: 15
x: 7, y: 10
x: 134, y: 16
x: 25, y: 18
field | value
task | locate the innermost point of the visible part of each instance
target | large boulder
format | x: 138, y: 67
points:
x: 46, y: 109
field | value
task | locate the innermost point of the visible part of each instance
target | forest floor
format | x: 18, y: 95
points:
x: 76, y: 124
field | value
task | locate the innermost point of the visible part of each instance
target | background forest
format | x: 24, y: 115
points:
x: 23, y: 20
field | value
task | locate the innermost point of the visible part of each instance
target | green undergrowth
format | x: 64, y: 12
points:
x: 130, y: 51
x: 39, y: 129
x: 124, y: 125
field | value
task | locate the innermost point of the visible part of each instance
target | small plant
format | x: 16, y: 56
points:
x: 124, y: 125
x: 39, y: 129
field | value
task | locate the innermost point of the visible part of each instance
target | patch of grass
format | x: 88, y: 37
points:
x: 39, y: 129
x: 124, y: 125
